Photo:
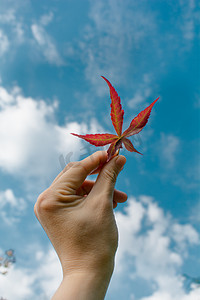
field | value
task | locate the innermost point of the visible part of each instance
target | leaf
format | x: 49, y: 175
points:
x: 139, y: 122
x: 98, y: 139
x: 117, y: 113
x: 129, y: 146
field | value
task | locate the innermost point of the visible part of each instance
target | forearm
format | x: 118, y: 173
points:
x: 84, y: 286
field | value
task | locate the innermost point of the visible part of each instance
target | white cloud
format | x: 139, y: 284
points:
x: 50, y: 273
x: 184, y: 234
x: 153, y: 247
x: 11, y: 207
x: 46, y: 45
x: 168, y: 148
x: 5, y: 97
x: 4, y: 43
x: 38, y: 283
x: 192, y: 295
x: 30, y: 138
x: 16, y: 284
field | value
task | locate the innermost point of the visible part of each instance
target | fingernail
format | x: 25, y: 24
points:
x: 120, y: 161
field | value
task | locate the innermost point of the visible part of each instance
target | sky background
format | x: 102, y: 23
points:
x: 52, y: 54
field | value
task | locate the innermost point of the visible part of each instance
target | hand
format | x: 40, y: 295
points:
x: 77, y: 215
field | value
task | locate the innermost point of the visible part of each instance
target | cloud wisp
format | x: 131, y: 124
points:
x: 168, y: 148
x: 11, y: 207
x: 45, y: 42
x: 4, y: 43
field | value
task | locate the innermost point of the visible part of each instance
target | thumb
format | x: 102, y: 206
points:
x: 106, y: 179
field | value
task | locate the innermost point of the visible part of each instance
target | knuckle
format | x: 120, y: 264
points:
x: 80, y: 167
x: 68, y: 166
x: 42, y: 204
x: 35, y: 210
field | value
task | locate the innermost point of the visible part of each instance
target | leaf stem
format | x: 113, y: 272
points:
x: 118, y: 152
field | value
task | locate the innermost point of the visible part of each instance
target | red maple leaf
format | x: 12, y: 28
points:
x: 117, y: 116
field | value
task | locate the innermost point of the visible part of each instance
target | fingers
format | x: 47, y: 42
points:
x: 74, y: 174
x: 106, y: 179
x: 70, y: 164
x: 67, y: 167
x: 77, y: 173
x: 98, y: 169
x: 118, y: 196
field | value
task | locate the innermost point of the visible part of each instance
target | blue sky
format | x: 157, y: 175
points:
x: 52, y: 54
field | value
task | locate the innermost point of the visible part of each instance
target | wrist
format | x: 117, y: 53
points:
x: 98, y: 264
x: 85, y: 285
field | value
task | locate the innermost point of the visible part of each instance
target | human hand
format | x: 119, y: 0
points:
x: 77, y: 215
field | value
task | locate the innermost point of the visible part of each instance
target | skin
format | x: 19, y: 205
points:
x: 77, y: 215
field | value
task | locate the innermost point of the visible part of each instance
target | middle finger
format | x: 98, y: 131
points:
x: 86, y: 187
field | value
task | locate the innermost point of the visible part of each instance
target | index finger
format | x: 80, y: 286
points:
x: 75, y: 176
